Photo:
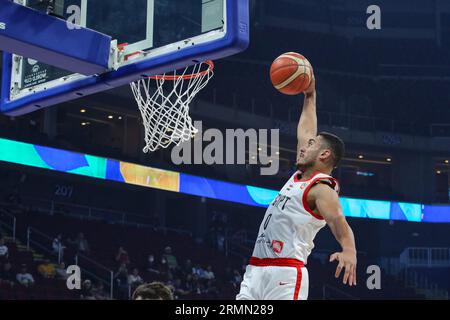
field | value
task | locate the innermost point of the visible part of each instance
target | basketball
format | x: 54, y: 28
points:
x: 291, y: 73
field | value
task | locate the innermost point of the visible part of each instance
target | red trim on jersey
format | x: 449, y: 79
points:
x: 305, y: 195
x: 282, y: 262
x: 298, y: 283
x: 296, y: 179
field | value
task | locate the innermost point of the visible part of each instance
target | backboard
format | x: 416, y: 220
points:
x: 149, y: 37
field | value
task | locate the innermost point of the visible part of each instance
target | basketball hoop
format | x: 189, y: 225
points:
x: 164, y: 101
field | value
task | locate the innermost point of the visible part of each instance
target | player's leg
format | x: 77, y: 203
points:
x: 286, y: 283
x: 250, y: 284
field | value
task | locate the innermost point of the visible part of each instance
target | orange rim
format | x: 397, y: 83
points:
x: 187, y: 76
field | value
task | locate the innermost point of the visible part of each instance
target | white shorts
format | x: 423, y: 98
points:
x: 274, y: 279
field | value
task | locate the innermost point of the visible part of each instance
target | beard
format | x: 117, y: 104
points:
x: 303, y: 166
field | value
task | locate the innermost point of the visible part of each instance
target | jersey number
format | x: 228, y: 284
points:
x: 267, y: 221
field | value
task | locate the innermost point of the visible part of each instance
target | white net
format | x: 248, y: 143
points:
x: 164, y: 104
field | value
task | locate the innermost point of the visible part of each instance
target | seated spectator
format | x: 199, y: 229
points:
x: 6, y: 274
x: 61, y: 271
x: 58, y: 246
x: 171, y: 259
x: 86, y: 290
x: 198, y: 271
x: 3, y: 250
x: 122, y: 256
x: 180, y: 288
x: 47, y: 269
x: 81, y: 244
x: 209, y: 274
x: 99, y: 292
x: 25, y: 278
x: 152, y: 265
x: 152, y: 291
x: 134, y: 279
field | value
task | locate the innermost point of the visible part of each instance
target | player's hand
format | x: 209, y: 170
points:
x: 347, y: 261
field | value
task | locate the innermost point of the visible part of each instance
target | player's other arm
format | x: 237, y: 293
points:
x: 327, y: 203
x: 307, y: 126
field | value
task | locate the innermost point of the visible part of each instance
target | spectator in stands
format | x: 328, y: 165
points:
x: 164, y: 269
x: 61, y: 271
x: 6, y: 274
x: 152, y: 291
x: 171, y: 259
x: 134, y: 279
x: 199, y: 288
x: 198, y: 271
x: 209, y: 274
x: 121, y: 278
x: 122, y: 256
x: 47, y: 269
x: 58, y: 246
x: 25, y: 278
x: 220, y: 239
x: 99, y: 293
x: 187, y: 267
x: 86, y: 290
x: 179, y: 288
x: 3, y: 250
x: 189, y: 283
x: 212, y: 289
x: 237, y: 278
x: 81, y: 244
x: 152, y: 265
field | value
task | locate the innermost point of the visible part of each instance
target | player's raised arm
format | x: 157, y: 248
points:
x: 307, y: 126
x: 327, y: 203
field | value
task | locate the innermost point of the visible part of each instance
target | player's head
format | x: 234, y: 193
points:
x: 324, y: 151
x: 152, y: 291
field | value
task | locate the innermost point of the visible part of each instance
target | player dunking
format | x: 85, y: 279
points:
x: 306, y: 203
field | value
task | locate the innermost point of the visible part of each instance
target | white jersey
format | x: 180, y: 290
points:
x: 290, y: 226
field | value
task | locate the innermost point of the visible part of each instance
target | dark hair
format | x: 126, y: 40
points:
x: 153, y: 291
x: 336, y: 145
